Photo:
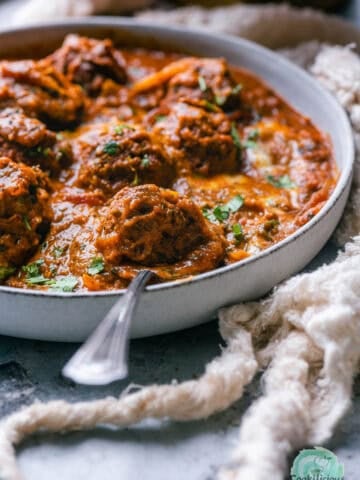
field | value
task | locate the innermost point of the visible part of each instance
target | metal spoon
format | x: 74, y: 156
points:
x: 103, y: 358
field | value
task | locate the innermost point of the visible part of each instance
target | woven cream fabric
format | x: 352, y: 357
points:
x: 308, y: 345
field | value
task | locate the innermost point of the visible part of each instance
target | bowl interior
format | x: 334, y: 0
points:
x: 292, y: 83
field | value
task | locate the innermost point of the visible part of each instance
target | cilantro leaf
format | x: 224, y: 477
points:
x: 253, y: 135
x: 202, y: 84
x: 208, y: 214
x: 119, y: 129
x: 222, y: 212
x: 6, y: 272
x: 237, y: 89
x: 65, y: 284
x: 210, y: 106
x: 281, y: 182
x: 27, y: 223
x: 238, y: 232
x: 235, y: 136
x: 111, y: 148
x: 33, y: 274
x: 39, y: 280
x: 58, y: 251
x: 220, y: 100
x: 96, y: 266
x: 235, y: 203
x: 33, y: 269
x: 145, y: 161
x: 160, y: 118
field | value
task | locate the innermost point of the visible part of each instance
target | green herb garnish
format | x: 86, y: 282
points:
x: 39, y: 280
x: 111, y: 148
x: 222, y: 212
x: 96, y: 266
x: 6, y: 272
x: 119, y: 129
x: 235, y: 203
x: 235, y: 136
x: 281, y: 182
x: 252, y: 137
x: 65, y: 284
x: 202, y: 84
x: 237, y: 89
x: 58, y: 251
x: 253, y: 134
x: 39, y: 150
x: 271, y: 224
x: 135, y: 182
x: 238, y: 232
x: 34, y: 275
x: 210, y: 106
x: 27, y: 223
x: 220, y: 101
x: 208, y: 214
x: 160, y: 118
x: 145, y: 161
x: 33, y: 269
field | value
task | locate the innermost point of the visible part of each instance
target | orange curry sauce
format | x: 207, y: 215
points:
x: 117, y: 160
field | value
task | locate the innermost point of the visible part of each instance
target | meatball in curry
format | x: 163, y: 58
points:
x: 25, y: 213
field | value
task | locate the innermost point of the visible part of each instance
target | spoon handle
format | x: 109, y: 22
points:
x: 103, y: 358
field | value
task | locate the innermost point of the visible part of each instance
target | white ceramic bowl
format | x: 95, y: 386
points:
x: 176, y: 305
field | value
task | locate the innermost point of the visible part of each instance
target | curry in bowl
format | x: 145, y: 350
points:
x: 113, y: 161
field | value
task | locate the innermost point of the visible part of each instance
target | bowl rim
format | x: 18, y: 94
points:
x: 269, y: 55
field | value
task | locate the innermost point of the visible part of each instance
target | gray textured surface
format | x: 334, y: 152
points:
x: 152, y: 450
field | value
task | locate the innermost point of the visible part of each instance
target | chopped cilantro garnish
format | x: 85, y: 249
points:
x: 26, y: 222
x: 253, y: 135
x: 222, y: 212
x: 119, y: 129
x: 39, y: 150
x: 58, y: 251
x: 220, y: 101
x: 235, y: 203
x: 135, y: 182
x: 34, y: 275
x: 39, y: 280
x: 271, y: 224
x: 33, y: 269
x: 202, y: 84
x: 235, y: 136
x: 251, y: 139
x: 210, y: 106
x: 208, y: 214
x: 160, y: 118
x: 65, y: 284
x: 6, y: 272
x: 96, y: 266
x: 145, y: 161
x: 237, y: 231
x: 281, y: 182
x: 237, y: 89
x: 111, y: 148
